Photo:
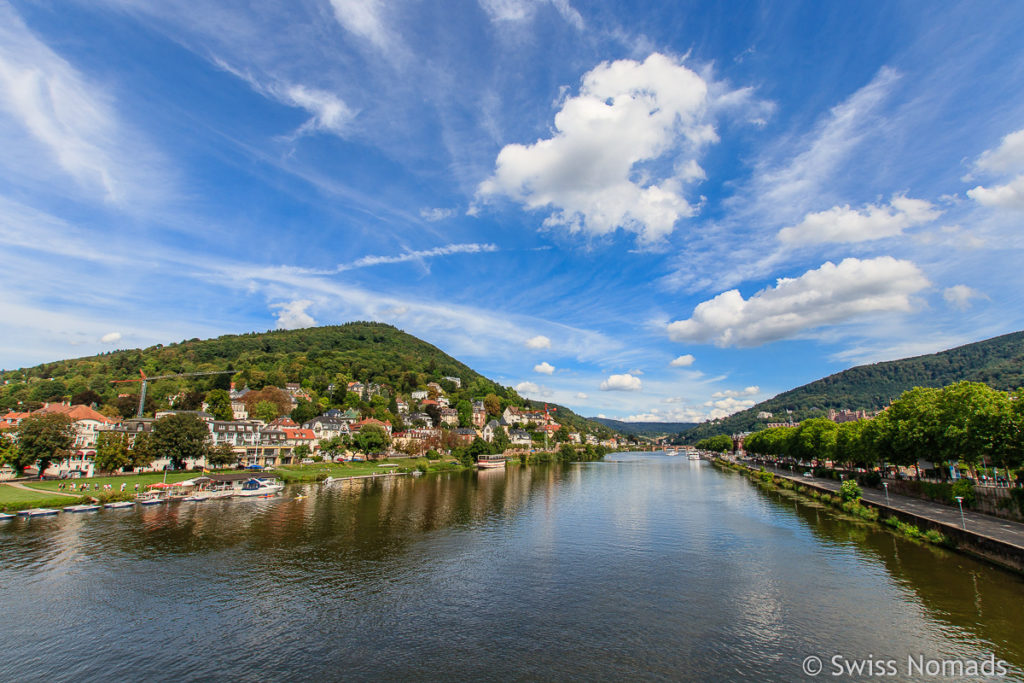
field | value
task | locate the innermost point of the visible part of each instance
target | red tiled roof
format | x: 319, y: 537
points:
x: 299, y: 434
x: 75, y: 412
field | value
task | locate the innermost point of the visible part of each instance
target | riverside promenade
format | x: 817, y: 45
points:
x: 998, y: 540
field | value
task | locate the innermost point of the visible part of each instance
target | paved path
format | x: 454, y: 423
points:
x: 41, y: 492
x: 1003, y: 530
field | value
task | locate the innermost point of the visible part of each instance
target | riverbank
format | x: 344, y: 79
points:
x: 997, y: 541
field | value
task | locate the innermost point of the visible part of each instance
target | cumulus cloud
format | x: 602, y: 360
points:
x: 580, y: 395
x: 111, y: 337
x: 538, y: 342
x: 532, y: 389
x: 673, y: 399
x: 749, y: 391
x: 292, y: 315
x: 1008, y: 196
x: 625, y: 382
x: 727, y: 406
x: 1008, y: 157
x: 544, y: 368
x: 959, y: 296
x: 843, y: 224
x: 588, y: 173
x: 683, y: 361
x: 363, y: 18
x: 828, y: 295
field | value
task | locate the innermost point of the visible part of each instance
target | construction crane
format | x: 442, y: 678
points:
x: 144, y: 380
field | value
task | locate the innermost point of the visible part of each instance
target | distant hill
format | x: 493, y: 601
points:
x: 652, y: 429
x: 998, y: 362
x: 316, y: 357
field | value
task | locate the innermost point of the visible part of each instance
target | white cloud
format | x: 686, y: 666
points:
x: 544, y: 368
x: 673, y: 399
x: 111, y: 337
x: 292, y: 315
x: 828, y: 295
x: 683, y: 361
x: 1008, y: 157
x: 624, y: 382
x: 421, y: 255
x: 363, y: 18
x: 959, y: 296
x: 843, y: 224
x: 626, y: 113
x: 531, y: 389
x: 582, y: 396
x: 727, y: 406
x: 538, y: 342
x: 329, y: 113
x: 435, y: 214
x: 503, y: 11
x: 54, y: 112
x: 749, y: 391
x: 1008, y: 196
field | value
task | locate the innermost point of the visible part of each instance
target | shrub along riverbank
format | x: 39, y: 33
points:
x: 848, y: 500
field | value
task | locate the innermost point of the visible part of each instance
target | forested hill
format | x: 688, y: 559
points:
x: 316, y: 357
x: 651, y: 429
x: 998, y: 362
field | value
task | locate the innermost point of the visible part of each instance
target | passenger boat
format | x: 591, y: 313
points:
x: 81, y: 508
x: 491, y: 462
x: 120, y: 505
x: 38, y: 512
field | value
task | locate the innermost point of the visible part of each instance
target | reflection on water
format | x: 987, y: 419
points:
x: 640, y: 566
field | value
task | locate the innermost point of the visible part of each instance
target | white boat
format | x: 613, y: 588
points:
x: 694, y: 456
x: 196, y: 498
x: 259, y: 488
x: 120, y: 505
x: 38, y: 512
x: 5, y: 515
x: 81, y: 508
x: 491, y: 462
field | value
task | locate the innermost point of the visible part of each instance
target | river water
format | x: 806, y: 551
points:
x: 642, y: 566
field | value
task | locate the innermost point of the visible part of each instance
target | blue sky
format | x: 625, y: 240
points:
x: 645, y: 212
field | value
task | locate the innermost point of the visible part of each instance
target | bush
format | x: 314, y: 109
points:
x: 962, y: 488
x: 934, y: 536
x: 766, y: 477
x: 849, y: 491
x: 872, y: 479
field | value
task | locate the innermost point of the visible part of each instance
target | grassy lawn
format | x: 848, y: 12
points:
x: 16, y: 499
x: 322, y: 470
x: 131, y: 480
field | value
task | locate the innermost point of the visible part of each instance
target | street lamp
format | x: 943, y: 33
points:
x: 960, y: 502
x: 885, y: 485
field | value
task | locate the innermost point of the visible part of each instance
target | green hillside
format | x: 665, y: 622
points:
x: 650, y: 429
x: 317, y: 358
x: 998, y: 362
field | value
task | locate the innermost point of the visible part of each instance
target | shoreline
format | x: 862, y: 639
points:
x: 909, y: 524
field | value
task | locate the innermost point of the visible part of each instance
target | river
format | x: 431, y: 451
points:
x: 642, y: 566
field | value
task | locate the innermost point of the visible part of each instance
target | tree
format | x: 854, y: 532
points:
x: 221, y: 454
x: 465, y: 410
x: 218, y: 404
x: 814, y: 439
x: 190, y: 400
x: 372, y: 438
x: 281, y: 400
x: 562, y: 435
x: 142, y: 453
x: 264, y: 410
x: 180, y: 438
x: 87, y: 398
x: 721, y: 443
x: 305, y: 411
x: 492, y: 404
x: 43, y: 438
x: 302, y: 451
x: 112, y: 452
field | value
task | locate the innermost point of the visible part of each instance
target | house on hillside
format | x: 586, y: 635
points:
x: 491, y: 430
x: 520, y: 437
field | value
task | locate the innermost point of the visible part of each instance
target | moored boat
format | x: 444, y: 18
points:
x: 38, y: 512
x: 120, y: 505
x: 5, y: 515
x: 81, y: 508
x: 259, y: 488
